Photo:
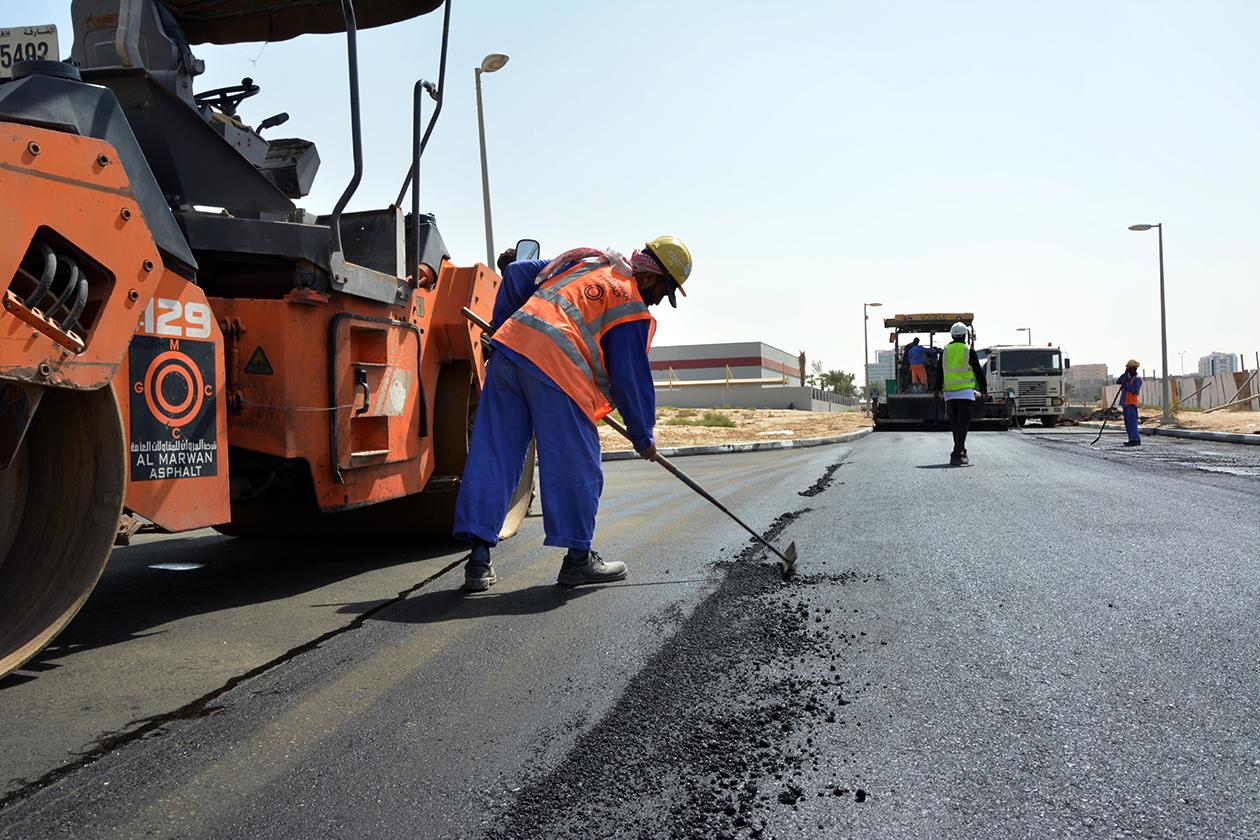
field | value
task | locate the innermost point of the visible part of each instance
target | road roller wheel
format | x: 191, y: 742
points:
x: 60, y: 501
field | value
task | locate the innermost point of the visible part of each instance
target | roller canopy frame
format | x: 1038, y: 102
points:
x: 244, y: 21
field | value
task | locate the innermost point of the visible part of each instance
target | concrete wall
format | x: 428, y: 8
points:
x: 753, y: 396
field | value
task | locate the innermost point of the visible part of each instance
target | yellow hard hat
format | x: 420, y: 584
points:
x: 1133, y: 363
x: 674, y: 257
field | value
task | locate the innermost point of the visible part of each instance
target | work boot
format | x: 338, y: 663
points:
x: 478, y: 573
x: 1133, y: 443
x: 955, y: 460
x: 588, y: 567
x: 964, y: 459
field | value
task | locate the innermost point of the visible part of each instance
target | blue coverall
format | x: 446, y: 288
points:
x: 519, y: 401
x: 916, y: 354
x: 1130, y: 384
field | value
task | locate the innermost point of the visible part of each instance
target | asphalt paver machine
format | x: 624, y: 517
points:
x: 898, y: 403
x: 181, y: 343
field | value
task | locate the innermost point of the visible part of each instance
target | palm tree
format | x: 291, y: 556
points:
x: 840, y: 382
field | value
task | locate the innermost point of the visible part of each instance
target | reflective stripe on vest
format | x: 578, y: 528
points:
x: 957, y: 367
x: 562, y: 324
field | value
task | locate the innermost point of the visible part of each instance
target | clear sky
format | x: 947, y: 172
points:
x: 985, y: 155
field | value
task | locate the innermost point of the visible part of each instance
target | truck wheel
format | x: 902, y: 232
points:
x: 61, y: 498
x: 1050, y: 420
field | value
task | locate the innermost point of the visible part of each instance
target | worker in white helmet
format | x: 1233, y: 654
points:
x: 961, y: 378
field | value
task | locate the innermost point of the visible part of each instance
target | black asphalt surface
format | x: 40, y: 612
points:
x: 1056, y: 641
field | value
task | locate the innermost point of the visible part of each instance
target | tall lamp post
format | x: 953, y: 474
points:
x: 489, y: 64
x: 866, y: 353
x: 1163, y: 319
x: 1027, y: 330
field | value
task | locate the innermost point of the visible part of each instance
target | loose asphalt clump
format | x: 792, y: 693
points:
x: 710, y: 739
x: 822, y: 483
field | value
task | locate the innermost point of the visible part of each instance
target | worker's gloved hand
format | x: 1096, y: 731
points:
x: 648, y: 454
x: 505, y: 259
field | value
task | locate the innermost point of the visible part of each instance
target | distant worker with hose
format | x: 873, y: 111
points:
x: 961, y: 377
x: 571, y: 341
x: 1130, y: 389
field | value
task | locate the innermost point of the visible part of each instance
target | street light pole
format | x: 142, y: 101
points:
x: 1163, y: 320
x: 866, y: 353
x: 1027, y: 330
x: 489, y: 64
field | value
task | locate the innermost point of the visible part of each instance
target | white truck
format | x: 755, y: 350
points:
x: 1032, y: 376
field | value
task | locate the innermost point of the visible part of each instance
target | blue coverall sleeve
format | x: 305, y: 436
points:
x: 518, y: 285
x: 630, y: 375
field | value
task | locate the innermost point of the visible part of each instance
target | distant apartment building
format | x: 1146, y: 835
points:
x: 881, y: 369
x: 733, y: 360
x: 1085, y: 373
x: 1216, y: 362
x: 1085, y: 382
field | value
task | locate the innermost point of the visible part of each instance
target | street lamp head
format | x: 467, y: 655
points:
x: 492, y: 62
x: 1021, y: 329
x: 874, y: 304
x: 1140, y: 227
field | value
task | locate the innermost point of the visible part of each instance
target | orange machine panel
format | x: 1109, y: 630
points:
x: 171, y: 392
x: 70, y: 221
x: 349, y: 385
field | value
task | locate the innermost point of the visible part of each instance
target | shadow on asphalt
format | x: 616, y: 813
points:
x: 454, y: 605
x: 941, y: 466
x: 132, y: 598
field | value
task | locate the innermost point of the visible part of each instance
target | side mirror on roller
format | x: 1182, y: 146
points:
x: 527, y: 249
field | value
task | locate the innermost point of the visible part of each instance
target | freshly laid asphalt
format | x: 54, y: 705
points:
x: 1058, y: 640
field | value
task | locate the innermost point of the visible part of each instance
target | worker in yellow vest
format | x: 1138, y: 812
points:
x: 1131, y: 387
x: 961, y: 377
x: 571, y: 341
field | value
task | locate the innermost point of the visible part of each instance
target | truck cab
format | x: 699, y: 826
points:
x: 1034, y: 375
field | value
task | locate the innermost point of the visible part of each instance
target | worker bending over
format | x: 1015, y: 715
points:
x: 1131, y: 387
x: 916, y: 358
x: 571, y: 341
x: 961, y: 376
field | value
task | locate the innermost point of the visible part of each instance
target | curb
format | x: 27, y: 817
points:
x: 731, y: 448
x: 1192, y: 434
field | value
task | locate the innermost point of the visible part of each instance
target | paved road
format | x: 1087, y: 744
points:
x: 1056, y: 641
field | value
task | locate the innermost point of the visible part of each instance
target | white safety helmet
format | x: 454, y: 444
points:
x: 959, y: 330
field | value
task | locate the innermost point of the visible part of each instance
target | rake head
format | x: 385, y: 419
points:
x: 787, y: 560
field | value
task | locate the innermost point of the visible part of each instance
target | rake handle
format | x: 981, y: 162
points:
x: 690, y: 482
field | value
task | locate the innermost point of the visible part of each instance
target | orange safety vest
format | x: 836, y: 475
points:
x: 561, y: 326
x: 1130, y: 398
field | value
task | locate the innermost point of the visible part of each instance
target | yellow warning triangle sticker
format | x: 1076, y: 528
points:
x: 259, y: 363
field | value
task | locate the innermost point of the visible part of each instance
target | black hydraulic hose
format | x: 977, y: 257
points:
x: 72, y: 286
x: 437, y: 110
x: 72, y: 320
x: 356, y: 128
x: 45, y: 280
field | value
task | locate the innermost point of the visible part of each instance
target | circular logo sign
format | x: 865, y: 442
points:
x: 593, y: 291
x: 173, y: 389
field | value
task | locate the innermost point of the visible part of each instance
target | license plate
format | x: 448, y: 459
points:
x: 27, y: 43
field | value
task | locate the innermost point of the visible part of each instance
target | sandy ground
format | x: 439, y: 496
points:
x: 1240, y: 422
x: 751, y: 424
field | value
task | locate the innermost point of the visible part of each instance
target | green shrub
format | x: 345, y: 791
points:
x: 709, y: 418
